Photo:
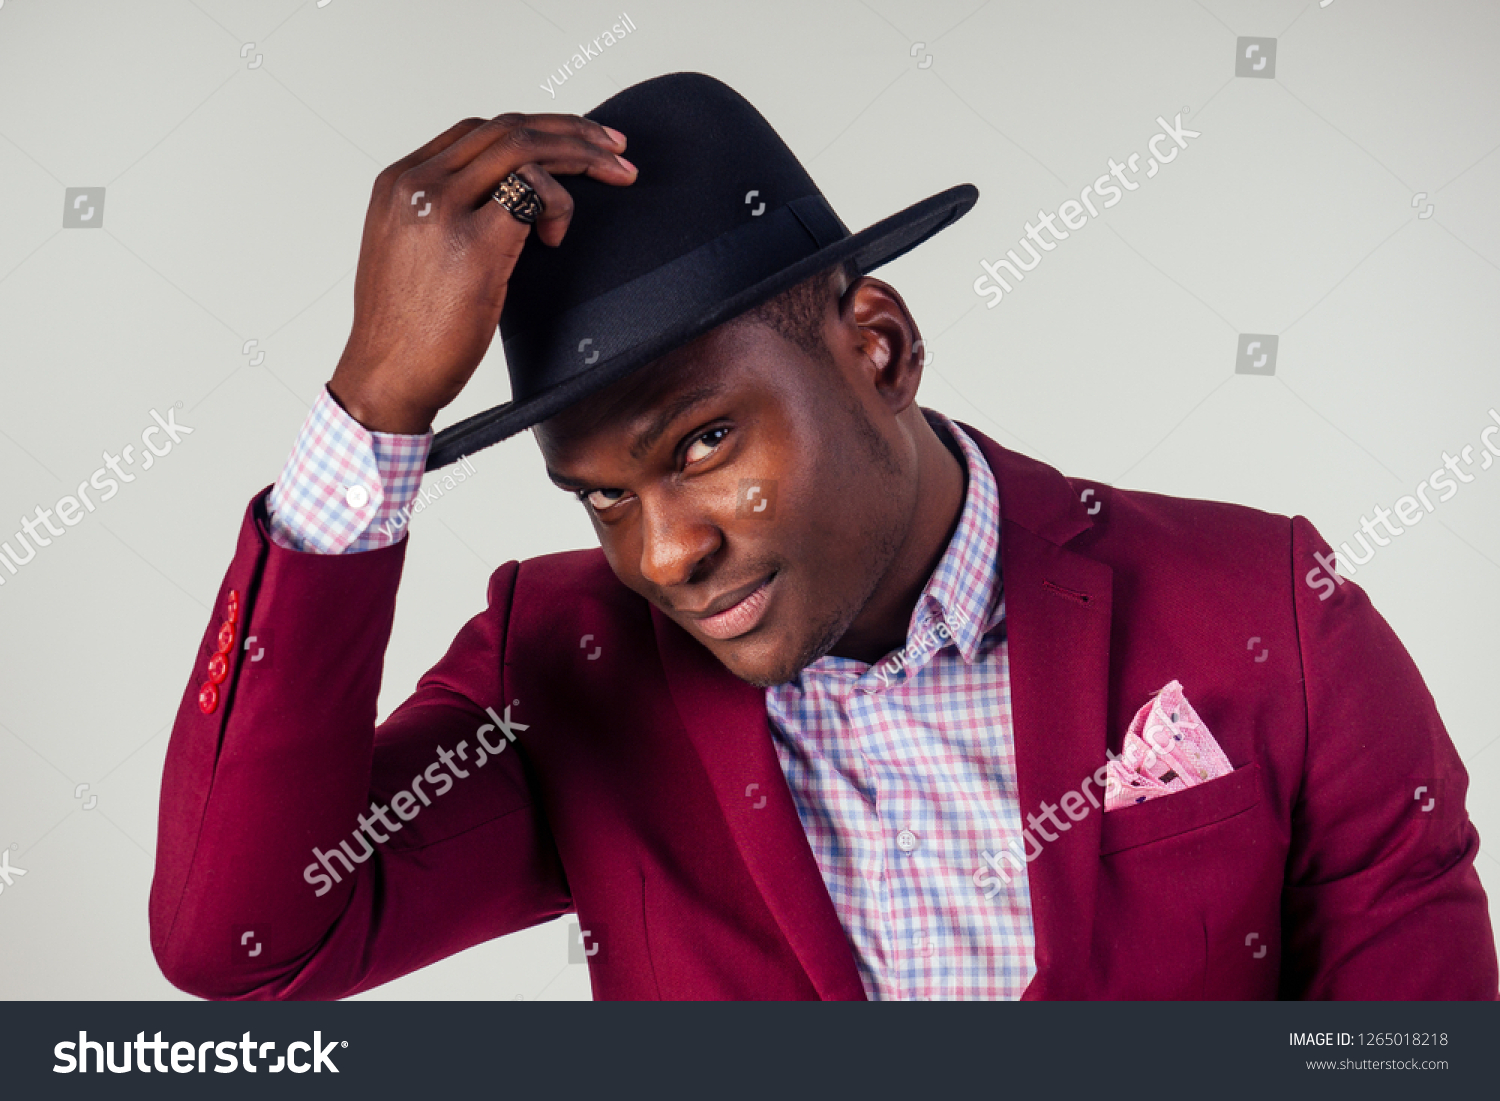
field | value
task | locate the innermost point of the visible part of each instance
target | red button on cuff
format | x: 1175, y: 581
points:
x: 226, y: 637
x: 208, y: 699
x: 218, y: 668
x: 232, y: 608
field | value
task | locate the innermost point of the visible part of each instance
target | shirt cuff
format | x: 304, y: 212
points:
x: 345, y: 489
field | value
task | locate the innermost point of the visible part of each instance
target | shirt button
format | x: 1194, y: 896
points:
x: 358, y: 496
x: 226, y: 637
x: 906, y: 840
x: 218, y: 668
x: 232, y: 607
x: 208, y: 699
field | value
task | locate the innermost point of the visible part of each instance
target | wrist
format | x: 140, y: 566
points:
x: 378, y: 414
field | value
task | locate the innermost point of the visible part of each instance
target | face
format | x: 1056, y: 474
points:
x: 755, y: 495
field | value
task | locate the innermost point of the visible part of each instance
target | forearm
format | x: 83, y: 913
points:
x: 285, y: 765
x: 284, y: 756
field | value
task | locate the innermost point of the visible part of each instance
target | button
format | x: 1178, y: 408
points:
x: 218, y: 668
x: 906, y: 840
x: 358, y: 496
x: 232, y: 607
x: 226, y: 637
x: 208, y: 699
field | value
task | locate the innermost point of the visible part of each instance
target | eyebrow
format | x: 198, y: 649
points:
x: 683, y: 403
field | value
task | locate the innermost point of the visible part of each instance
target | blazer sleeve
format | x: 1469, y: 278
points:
x: 1382, y: 900
x: 267, y: 884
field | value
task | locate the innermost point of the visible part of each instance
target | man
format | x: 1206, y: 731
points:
x: 804, y: 725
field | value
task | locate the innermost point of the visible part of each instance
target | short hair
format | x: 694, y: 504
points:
x: 797, y: 312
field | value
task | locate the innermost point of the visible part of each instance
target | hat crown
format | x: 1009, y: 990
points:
x: 701, y: 149
x: 720, y: 218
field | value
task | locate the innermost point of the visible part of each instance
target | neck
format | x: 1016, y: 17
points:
x: 942, y: 482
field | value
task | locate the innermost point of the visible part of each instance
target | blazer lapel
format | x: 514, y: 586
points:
x: 726, y: 719
x: 1058, y: 607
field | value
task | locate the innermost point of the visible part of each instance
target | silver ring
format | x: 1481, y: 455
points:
x: 518, y: 197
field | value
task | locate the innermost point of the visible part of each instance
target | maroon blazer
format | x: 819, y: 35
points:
x: 1311, y: 871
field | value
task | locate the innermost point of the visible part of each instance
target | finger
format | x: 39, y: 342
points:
x: 446, y: 139
x: 580, y: 127
x: 461, y: 153
x: 559, y: 154
x: 551, y: 224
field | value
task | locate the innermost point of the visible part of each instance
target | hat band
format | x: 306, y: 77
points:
x: 672, y: 296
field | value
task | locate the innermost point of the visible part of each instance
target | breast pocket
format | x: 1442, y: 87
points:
x: 1169, y: 815
x: 1184, y: 880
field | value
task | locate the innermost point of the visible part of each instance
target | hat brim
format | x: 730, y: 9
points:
x: 870, y: 248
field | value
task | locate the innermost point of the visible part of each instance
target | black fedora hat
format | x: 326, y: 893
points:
x: 720, y: 217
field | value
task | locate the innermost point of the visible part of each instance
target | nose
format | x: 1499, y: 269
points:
x: 677, y: 536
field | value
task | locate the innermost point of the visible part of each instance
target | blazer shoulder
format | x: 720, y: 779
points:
x: 1188, y: 520
x: 1211, y: 546
x: 1081, y: 512
x: 556, y: 592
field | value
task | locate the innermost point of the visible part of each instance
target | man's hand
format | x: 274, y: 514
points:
x: 429, y: 289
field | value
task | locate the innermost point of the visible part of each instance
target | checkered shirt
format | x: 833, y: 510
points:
x: 904, y: 771
x: 344, y: 488
x: 899, y: 785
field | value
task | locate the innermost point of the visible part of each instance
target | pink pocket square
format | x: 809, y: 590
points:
x: 1166, y: 749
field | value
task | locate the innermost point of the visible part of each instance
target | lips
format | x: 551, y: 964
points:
x: 741, y: 616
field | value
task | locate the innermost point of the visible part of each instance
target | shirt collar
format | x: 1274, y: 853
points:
x: 961, y: 602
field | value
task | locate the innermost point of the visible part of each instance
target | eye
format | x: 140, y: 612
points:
x: 584, y: 495
x: 719, y: 432
x: 715, y: 434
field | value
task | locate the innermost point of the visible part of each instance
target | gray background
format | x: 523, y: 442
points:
x: 235, y: 200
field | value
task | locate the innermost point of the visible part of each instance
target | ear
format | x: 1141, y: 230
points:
x: 884, y: 337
